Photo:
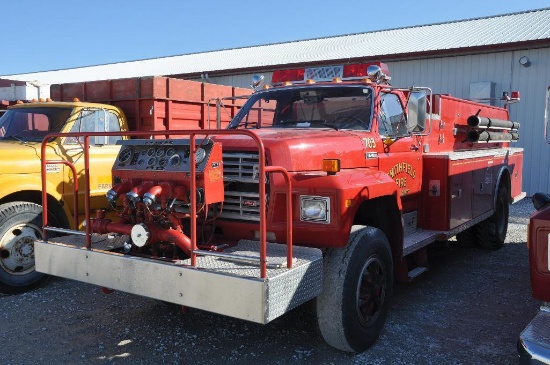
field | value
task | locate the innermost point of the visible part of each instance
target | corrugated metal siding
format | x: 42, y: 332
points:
x: 453, y: 75
x: 532, y: 83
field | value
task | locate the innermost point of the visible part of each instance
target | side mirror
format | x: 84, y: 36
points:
x: 416, y: 109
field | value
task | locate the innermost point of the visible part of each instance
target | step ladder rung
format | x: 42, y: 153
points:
x: 417, y: 271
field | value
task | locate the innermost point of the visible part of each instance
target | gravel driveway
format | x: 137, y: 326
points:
x: 469, y: 308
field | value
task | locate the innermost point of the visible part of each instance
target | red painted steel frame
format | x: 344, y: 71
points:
x: 192, y: 136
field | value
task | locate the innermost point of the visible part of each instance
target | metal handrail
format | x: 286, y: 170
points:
x: 263, y: 169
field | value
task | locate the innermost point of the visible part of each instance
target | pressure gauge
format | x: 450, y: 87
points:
x: 170, y: 151
x: 200, y: 155
x: 125, y: 155
x: 151, y: 152
x: 160, y: 152
x: 174, y: 161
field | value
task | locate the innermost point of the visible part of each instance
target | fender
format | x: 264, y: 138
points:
x: 347, y: 189
x: 15, y: 183
x: 356, y: 184
x: 378, y: 184
x: 504, y: 170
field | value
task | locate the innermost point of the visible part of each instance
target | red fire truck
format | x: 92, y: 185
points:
x: 329, y: 183
x: 534, y: 341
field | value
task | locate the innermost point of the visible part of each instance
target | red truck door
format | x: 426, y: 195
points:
x: 399, y: 153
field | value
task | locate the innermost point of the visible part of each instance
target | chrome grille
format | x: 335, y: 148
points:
x: 241, y: 205
x: 241, y: 197
x: 240, y: 167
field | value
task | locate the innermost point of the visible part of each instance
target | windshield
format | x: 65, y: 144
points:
x: 32, y: 124
x: 342, y: 107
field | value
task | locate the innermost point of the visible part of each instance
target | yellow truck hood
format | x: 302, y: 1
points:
x: 21, y: 157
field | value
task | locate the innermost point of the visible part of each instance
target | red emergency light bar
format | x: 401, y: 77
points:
x: 350, y: 71
x: 281, y: 76
x: 360, y: 70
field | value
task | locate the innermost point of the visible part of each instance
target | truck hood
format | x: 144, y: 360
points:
x: 302, y: 149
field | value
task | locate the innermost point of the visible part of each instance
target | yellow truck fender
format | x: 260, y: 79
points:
x: 10, y: 184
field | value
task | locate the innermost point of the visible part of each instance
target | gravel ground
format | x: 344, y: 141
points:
x: 469, y: 308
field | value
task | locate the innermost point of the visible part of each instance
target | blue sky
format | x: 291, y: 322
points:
x: 50, y: 35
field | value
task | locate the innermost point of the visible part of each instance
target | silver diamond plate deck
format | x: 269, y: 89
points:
x: 423, y: 237
x: 216, y: 284
x: 276, y: 259
x: 417, y: 240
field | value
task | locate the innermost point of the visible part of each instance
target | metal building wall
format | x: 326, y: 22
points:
x: 453, y: 75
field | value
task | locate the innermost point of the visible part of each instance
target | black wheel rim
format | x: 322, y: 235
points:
x: 371, y: 291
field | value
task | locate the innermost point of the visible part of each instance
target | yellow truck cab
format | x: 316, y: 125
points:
x: 139, y: 104
x: 22, y: 130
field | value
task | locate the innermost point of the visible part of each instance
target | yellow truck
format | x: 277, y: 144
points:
x: 149, y: 103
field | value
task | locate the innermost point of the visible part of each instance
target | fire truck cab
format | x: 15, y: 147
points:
x: 329, y: 183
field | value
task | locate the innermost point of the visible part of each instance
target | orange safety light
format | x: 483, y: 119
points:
x: 331, y: 166
x: 76, y: 100
x: 310, y: 81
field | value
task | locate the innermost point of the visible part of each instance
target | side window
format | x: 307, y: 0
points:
x: 96, y: 120
x: 392, y: 120
x: 113, y: 125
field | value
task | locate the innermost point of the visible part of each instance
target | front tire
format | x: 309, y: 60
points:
x: 357, y: 287
x: 20, y: 226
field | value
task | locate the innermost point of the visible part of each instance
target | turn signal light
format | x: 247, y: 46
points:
x: 331, y: 166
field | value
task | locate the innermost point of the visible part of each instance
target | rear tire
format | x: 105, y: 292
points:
x: 20, y: 226
x: 357, y: 287
x: 467, y: 238
x: 491, y: 233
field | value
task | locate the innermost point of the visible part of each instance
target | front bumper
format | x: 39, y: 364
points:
x: 534, y: 341
x: 217, y: 284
